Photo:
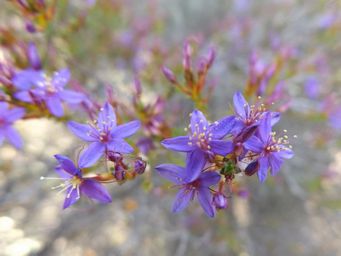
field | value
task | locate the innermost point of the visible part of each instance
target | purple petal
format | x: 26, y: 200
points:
x: 95, y: 190
x: 119, y: 145
x: 106, y: 116
x: 61, y: 78
x: 91, y: 154
x: 15, y: 114
x: 182, y: 199
x: 25, y: 79
x: 83, y: 131
x: 275, y: 164
x: 72, y: 197
x: 24, y: 96
x: 178, y: 144
x: 221, y: 147
x: 126, y: 130
x: 263, y: 169
x: 198, y: 121
x: 172, y: 172
x: 13, y: 137
x: 275, y: 117
x: 223, y: 127
x: 3, y: 106
x: 254, y: 144
x: 205, y: 200
x: 55, y: 105
x: 241, y: 107
x: 285, y: 153
x: 195, y: 162
x: 67, y: 165
x: 264, y: 128
x: 209, y: 178
x: 62, y: 173
x: 72, y: 97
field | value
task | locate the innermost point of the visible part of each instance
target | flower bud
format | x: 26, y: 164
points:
x: 169, y: 75
x: 115, y: 156
x: 33, y: 56
x: 211, y: 57
x: 140, y: 166
x: 120, y: 173
x: 252, y: 168
x: 138, y: 87
x: 220, y: 201
x: 187, y: 52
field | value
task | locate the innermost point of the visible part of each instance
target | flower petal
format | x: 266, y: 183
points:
x: 222, y: 127
x: 24, y: 96
x: 106, y: 117
x: 54, y: 105
x: 126, y: 130
x: 14, y: 114
x: 182, y: 199
x: 275, y: 164
x: 209, y: 178
x: 82, y: 131
x: 172, y: 172
x: 95, y: 190
x: 275, y: 117
x: 221, y: 147
x: 205, y: 200
x: 178, y: 144
x: 62, y: 173
x: 61, y: 78
x: 1, y: 138
x: 263, y: 169
x: 91, y: 154
x: 195, y: 162
x: 119, y: 145
x: 285, y: 153
x: 264, y: 129
x: 72, y: 97
x: 198, y: 121
x: 72, y: 197
x: 67, y: 165
x: 254, y: 144
x: 25, y: 79
x: 13, y: 137
x: 241, y: 107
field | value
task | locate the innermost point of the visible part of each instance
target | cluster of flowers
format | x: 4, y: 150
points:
x: 106, y: 140
x: 216, y: 152
x: 31, y: 93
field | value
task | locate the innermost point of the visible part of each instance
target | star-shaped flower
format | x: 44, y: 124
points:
x: 76, y: 185
x: 204, y: 140
x: 190, y: 188
x: 34, y: 86
x: 271, y: 151
x: 104, y: 135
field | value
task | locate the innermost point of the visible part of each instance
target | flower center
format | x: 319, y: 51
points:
x: 104, y: 137
x: 201, y: 138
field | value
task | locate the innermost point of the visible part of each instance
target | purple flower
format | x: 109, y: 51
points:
x: 104, y: 135
x: 7, y: 118
x: 271, y: 151
x: 190, y: 188
x: 36, y: 87
x: 33, y: 56
x: 75, y: 185
x: 204, y: 140
x: 249, y: 115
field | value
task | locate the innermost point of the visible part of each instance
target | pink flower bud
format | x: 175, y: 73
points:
x: 169, y: 75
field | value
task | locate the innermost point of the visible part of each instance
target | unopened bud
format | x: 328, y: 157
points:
x: 140, y: 166
x: 120, y: 173
x: 220, y: 201
x: 169, y: 75
x: 33, y: 56
x: 114, y: 156
x: 187, y: 52
x: 252, y: 168
x: 138, y: 87
x: 211, y: 57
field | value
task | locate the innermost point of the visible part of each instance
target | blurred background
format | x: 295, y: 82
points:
x: 106, y: 44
